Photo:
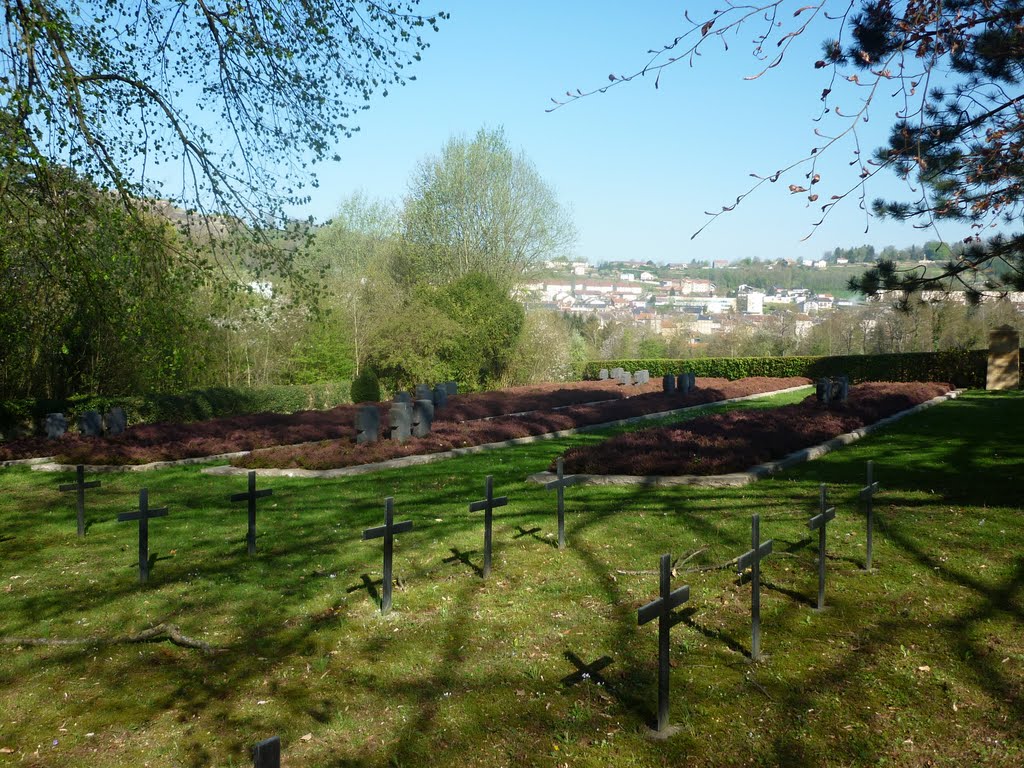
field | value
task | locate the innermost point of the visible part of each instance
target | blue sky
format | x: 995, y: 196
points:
x: 637, y: 166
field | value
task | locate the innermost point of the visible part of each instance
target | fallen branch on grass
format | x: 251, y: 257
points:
x: 169, y: 632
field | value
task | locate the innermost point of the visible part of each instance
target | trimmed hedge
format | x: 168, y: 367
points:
x: 196, y: 405
x: 958, y: 367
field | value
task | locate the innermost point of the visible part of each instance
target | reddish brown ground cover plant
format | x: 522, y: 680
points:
x: 738, y: 440
x: 550, y: 408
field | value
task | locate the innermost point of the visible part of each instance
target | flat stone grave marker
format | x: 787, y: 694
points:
x: 387, y: 531
x: 819, y: 523
x: 440, y: 396
x: 90, y: 424
x: 487, y: 505
x: 267, y: 754
x: 250, y: 496
x: 752, y: 559
x: 367, y: 424
x: 602, y: 375
x: 422, y: 417
x: 668, y: 384
x: 868, y: 494
x: 401, y: 421
x: 561, y: 484
x: 661, y: 609
x: 423, y: 392
x: 116, y: 421
x: 55, y: 425
x: 584, y: 671
x: 143, y: 514
x: 452, y: 388
x: 80, y: 487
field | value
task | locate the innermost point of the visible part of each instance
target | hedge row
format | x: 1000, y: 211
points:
x: 195, y: 405
x: 959, y: 367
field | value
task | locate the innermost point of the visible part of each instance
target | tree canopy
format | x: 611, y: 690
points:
x: 233, y: 101
x: 958, y: 137
x: 479, y: 207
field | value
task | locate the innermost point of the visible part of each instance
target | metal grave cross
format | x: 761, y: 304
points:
x: 561, y: 484
x: 487, y: 506
x: 142, y: 514
x: 661, y: 609
x: 387, y: 531
x: 818, y: 522
x: 868, y: 492
x: 251, y: 495
x: 267, y: 754
x: 80, y: 486
x: 752, y: 559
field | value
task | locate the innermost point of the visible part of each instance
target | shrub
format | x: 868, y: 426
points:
x: 366, y: 387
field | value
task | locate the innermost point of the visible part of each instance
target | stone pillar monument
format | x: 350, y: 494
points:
x: 1003, y: 359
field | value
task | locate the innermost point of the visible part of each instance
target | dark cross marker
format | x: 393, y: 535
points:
x: 142, y: 514
x: 388, y: 531
x: 561, y: 484
x: 584, y: 671
x: 251, y: 495
x: 818, y: 522
x: 487, y: 506
x: 868, y: 492
x: 661, y: 609
x: 80, y: 486
x: 267, y: 754
x: 752, y: 559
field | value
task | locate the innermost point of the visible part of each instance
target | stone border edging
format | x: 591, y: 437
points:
x: 27, y: 462
x: 757, y: 472
x: 427, y: 458
x: 50, y: 467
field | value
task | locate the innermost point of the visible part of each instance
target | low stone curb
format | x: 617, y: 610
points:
x: 26, y: 462
x: 49, y: 467
x: 427, y: 458
x: 755, y: 473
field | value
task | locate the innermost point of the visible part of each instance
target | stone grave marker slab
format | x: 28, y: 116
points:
x: 602, y: 375
x: 616, y: 372
x: 55, y: 426
x: 561, y: 484
x: 868, y: 494
x: 661, y: 609
x: 400, y: 417
x: 143, y: 515
x: 487, y: 505
x: 387, y: 532
x: 642, y: 376
x: 440, y: 396
x: 752, y: 559
x: 250, y: 496
x: 422, y: 417
x: 116, y: 421
x: 818, y: 523
x: 668, y: 384
x: 403, y: 397
x: 424, y: 392
x: 367, y: 424
x: 80, y: 486
x: 841, y: 388
x: 1003, y: 371
x: 452, y: 388
x: 625, y: 378
x: 823, y: 390
x: 683, y: 383
x: 90, y: 424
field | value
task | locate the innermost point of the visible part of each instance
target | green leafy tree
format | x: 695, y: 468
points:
x: 479, y: 207
x: 955, y: 66
x: 241, y: 97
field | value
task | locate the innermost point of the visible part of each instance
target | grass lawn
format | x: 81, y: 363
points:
x: 920, y: 663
